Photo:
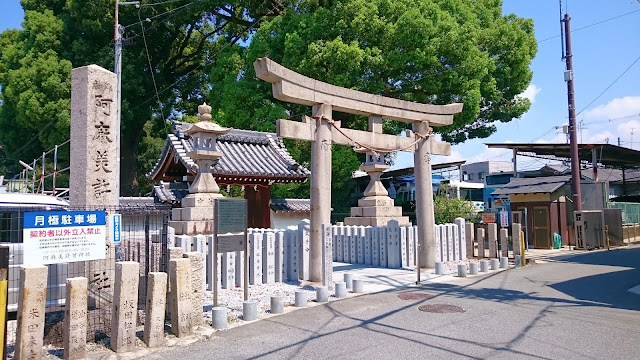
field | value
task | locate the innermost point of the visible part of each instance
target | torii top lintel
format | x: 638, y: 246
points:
x: 292, y: 87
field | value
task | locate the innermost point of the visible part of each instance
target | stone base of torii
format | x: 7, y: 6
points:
x: 322, y: 131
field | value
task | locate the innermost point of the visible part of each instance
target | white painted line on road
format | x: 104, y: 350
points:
x: 635, y: 289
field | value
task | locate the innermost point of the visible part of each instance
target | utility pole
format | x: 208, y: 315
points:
x: 568, y: 77
x: 117, y: 69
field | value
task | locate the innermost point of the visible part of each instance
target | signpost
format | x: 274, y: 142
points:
x: 230, y: 235
x: 55, y: 237
x: 115, y: 234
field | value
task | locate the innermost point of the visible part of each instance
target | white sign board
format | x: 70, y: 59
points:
x: 53, y: 237
x: 504, y: 219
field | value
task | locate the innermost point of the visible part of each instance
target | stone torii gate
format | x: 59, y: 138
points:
x: 322, y: 131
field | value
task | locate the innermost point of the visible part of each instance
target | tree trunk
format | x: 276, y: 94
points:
x: 129, y: 164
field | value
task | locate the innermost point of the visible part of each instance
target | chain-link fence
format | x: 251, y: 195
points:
x: 630, y: 212
x: 143, y: 238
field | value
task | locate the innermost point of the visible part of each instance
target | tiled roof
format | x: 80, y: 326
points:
x: 246, y: 154
x: 170, y: 192
x: 547, y: 184
x: 292, y: 205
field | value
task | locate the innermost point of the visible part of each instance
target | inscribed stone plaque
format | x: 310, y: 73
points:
x: 181, y: 300
x: 231, y: 215
x: 367, y: 245
x: 439, y: 247
x: 228, y: 270
x: 393, y: 245
x: 255, y: 259
x: 125, y: 306
x: 339, y: 231
x: 31, y: 311
x: 450, y: 249
x: 334, y: 242
x: 411, y: 248
x: 95, y: 138
x: 75, y: 318
x: 293, y: 254
x: 360, y: 244
x: 327, y: 257
x: 456, y: 242
x: 279, y: 258
x: 346, y: 233
x: 462, y: 239
x: 353, y: 254
x: 382, y: 236
x: 304, y: 237
x: 375, y: 246
x: 268, y: 258
x: 155, y: 309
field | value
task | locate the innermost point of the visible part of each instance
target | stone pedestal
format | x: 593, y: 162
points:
x: 197, y: 295
x: 181, y: 300
x: 75, y: 319
x: 125, y: 310
x: 31, y: 311
x: 155, y: 309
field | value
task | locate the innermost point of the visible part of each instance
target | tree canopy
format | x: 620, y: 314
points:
x: 430, y: 51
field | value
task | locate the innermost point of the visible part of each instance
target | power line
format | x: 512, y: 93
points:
x: 179, y: 8
x: 161, y: 3
x: 610, y: 85
x: 169, y: 87
x: 590, y: 25
x: 153, y: 77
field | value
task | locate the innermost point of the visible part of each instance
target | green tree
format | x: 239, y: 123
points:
x: 178, y: 43
x: 430, y: 51
x: 447, y: 209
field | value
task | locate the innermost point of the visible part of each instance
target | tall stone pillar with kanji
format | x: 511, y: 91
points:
x: 95, y: 138
x: 95, y: 167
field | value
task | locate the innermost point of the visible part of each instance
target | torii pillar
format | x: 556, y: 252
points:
x: 292, y: 87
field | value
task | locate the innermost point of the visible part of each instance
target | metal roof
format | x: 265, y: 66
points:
x: 248, y: 157
x: 291, y: 205
x: 607, y: 154
x: 547, y: 184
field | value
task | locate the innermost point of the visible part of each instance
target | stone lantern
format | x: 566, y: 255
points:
x: 205, y: 152
x: 376, y: 208
x: 196, y: 215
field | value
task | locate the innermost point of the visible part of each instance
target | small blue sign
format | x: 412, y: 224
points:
x: 116, y: 225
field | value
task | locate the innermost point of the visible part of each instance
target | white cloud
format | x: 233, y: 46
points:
x: 616, y: 108
x: 531, y: 92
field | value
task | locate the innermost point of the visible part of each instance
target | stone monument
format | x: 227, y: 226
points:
x: 196, y: 215
x: 93, y: 178
x: 95, y: 166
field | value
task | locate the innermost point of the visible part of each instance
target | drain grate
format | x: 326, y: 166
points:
x: 441, y: 308
x: 415, y: 296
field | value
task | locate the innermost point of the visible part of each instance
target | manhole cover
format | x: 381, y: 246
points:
x: 441, y: 308
x: 415, y: 296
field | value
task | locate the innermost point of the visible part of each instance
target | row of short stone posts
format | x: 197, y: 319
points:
x: 492, y: 237
x: 186, y: 307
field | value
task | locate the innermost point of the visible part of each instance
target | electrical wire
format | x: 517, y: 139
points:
x: 170, y: 86
x: 178, y: 9
x: 160, y: 3
x: 610, y: 85
x: 590, y: 25
x: 153, y: 77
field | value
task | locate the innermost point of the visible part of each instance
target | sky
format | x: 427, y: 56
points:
x: 602, y: 52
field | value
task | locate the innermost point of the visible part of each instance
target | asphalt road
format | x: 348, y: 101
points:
x: 576, y: 307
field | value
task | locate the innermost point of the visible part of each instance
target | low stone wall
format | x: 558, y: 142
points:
x: 394, y: 246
